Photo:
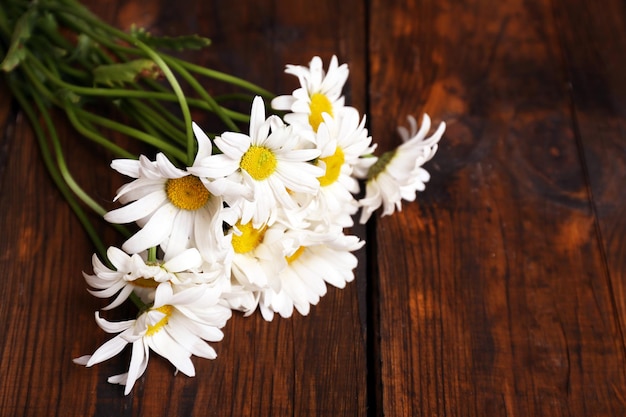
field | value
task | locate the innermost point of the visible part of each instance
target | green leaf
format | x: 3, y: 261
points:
x: 69, y: 96
x: 84, y: 48
x: 23, y: 29
x: 48, y: 22
x: 177, y: 43
x: 127, y: 72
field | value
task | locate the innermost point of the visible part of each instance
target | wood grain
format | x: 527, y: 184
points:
x: 594, y: 68
x: 501, y: 291
x: 501, y: 302
x: 312, y: 365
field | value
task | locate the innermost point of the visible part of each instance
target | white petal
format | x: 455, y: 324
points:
x: 128, y: 167
x: 163, y: 295
x: 107, y: 350
x: 108, y: 291
x: 206, y: 332
x: 138, y: 189
x: 118, y: 379
x: 187, y: 296
x: 138, y: 364
x: 192, y: 342
x: 168, y: 169
x: 98, y: 282
x: 83, y: 360
x: 118, y: 258
x: 153, y: 233
x: 257, y: 117
x: 233, y: 145
x: 121, y: 297
x: 282, y: 102
x: 137, y: 210
x: 165, y: 346
x: 113, y: 326
x: 204, y: 143
x: 181, y: 232
x: 187, y: 259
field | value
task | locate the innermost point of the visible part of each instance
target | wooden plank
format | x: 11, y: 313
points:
x: 595, y: 68
x: 43, y: 251
x: 312, y: 365
x: 499, y: 302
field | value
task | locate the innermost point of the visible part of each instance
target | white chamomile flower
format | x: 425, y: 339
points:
x: 132, y: 273
x: 174, y: 208
x: 320, y: 259
x: 259, y: 255
x: 270, y: 162
x: 342, y: 141
x: 177, y: 326
x: 320, y: 92
x: 398, y: 174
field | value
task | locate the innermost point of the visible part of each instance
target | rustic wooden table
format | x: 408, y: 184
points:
x: 501, y: 291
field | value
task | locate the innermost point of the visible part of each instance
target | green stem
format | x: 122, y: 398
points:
x: 66, y: 174
x: 128, y: 93
x: 96, y: 91
x: 151, y: 120
x: 57, y: 178
x: 247, y: 98
x: 184, y: 106
x: 62, y: 165
x: 138, y: 303
x: 230, y: 79
x: 69, y: 110
x: 52, y: 169
x: 162, y: 113
x: 72, y: 111
x: 152, y: 254
x: 158, y: 143
x: 87, y: 130
x: 204, y: 95
x: 94, y: 22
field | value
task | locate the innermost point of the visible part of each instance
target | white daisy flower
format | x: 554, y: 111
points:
x: 320, y: 92
x: 259, y: 255
x: 175, y: 327
x: 269, y: 161
x: 241, y: 298
x: 278, y: 268
x: 398, y: 174
x: 342, y: 141
x: 174, y: 208
x: 319, y: 260
x: 132, y: 273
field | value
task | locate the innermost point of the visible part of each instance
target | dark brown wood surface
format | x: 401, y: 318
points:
x: 501, y: 291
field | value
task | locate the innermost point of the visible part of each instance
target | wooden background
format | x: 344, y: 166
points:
x: 502, y: 291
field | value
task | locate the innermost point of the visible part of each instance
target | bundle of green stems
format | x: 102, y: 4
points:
x: 55, y: 55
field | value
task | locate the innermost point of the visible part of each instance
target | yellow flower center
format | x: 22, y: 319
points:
x: 167, y: 310
x: 249, y: 238
x: 319, y: 104
x: 295, y: 255
x: 145, y: 283
x: 259, y: 162
x: 187, y: 193
x: 333, y: 167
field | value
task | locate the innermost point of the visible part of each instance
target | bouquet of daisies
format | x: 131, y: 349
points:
x: 238, y: 221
